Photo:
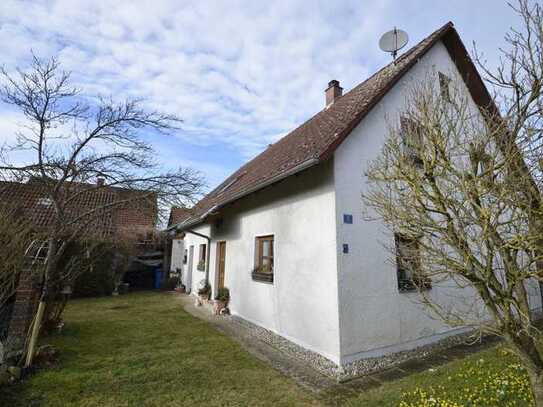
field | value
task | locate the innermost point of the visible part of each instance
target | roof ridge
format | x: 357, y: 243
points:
x: 316, y: 138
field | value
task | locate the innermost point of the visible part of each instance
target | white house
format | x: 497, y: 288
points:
x: 286, y: 233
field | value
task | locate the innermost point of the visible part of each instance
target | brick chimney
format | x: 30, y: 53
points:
x: 333, y: 92
x: 100, y: 181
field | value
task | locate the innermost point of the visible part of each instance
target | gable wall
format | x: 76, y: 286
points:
x: 375, y: 318
x: 301, y: 304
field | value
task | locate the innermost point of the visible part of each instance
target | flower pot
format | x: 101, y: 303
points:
x: 218, y: 306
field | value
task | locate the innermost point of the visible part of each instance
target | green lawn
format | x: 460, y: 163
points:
x: 144, y: 350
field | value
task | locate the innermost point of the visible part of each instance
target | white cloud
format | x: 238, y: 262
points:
x: 238, y: 72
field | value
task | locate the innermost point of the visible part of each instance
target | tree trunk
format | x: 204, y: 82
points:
x: 50, y: 264
x: 527, y: 349
x: 536, y: 381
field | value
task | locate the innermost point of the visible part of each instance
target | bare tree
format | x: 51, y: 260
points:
x: 15, y: 237
x: 72, y: 141
x: 464, y: 190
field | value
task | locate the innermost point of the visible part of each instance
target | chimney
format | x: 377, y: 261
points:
x: 333, y: 92
x: 100, y: 181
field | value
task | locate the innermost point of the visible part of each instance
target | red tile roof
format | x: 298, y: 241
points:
x: 316, y: 139
x: 31, y: 200
x: 178, y: 215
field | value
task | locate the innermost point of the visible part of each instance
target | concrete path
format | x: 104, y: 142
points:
x: 313, y: 380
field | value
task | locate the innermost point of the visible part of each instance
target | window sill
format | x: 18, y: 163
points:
x: 262, y: 277
x: 408, y: 286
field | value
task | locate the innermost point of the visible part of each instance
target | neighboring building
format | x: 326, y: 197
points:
x: 134, y: 220
x: 174, y: 250
x: 286, y: 233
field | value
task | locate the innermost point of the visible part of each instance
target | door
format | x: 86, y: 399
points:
x: 188, y: 283
x: 221, y: 256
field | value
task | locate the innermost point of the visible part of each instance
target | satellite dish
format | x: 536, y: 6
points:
x: 393, y: 41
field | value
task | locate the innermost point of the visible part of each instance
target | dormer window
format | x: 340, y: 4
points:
x: 47, y: 202
x: 444, y: 82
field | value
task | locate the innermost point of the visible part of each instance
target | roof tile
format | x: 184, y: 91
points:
x: 319, y: 136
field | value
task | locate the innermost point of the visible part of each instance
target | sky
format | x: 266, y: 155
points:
x: 241, y: 74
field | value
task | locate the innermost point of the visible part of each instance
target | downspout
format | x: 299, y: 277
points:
x: 208, y: 250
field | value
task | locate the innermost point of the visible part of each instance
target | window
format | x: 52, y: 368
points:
x: 202, y: 258
x: 263, y: 270
x: 444, y: 82
x: 408, y: 264
x: 347, y: 218
x: 411, y: 133
x: 185, y: 256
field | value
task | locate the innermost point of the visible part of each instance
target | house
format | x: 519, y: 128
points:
x: 286, y: 233
x: 134, y: 216
x: 174, y: 250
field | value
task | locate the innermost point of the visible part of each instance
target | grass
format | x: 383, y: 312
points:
x: 144, y: 350
x: 492, y: 377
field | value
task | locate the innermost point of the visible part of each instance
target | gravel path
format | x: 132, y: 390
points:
x: 292, y: 360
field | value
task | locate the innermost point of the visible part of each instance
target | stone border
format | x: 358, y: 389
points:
x: 370, y: 365
x: 316, y: 361
x: 354, y: 369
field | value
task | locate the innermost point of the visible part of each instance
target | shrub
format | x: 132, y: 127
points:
x: 204, y: 289
x: 170, y: 283
x: 98, y: 280
x: 223, y: 294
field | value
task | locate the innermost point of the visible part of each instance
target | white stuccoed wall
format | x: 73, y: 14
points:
x: 342, y: 306
x: 375, y: 318
x: 177, y: 254
x: 302, y: 303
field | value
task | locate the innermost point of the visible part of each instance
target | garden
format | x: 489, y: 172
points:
x: 143, y: 349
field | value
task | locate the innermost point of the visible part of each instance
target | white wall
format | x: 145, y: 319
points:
x: 375, y: 318
x: 177, y: 254
x: 301, y: 304
x: 343, y: 306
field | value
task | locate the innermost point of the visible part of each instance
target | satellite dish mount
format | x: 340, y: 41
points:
x: 393, y: 41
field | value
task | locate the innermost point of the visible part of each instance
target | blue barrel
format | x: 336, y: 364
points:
x: 158, y: 277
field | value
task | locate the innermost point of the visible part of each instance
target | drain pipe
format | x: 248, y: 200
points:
x: 208, y: 250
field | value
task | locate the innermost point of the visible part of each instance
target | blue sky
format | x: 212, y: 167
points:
x: 241, y: 74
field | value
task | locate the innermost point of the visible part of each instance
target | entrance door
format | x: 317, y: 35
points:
x: 221, y: 256
x: 188, y: 283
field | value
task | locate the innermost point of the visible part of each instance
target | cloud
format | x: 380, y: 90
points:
x: 240, y: 73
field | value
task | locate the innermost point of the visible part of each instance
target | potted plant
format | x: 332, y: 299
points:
x: 204, y: 291
x: 263, y: 272
x: 221, y: 300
